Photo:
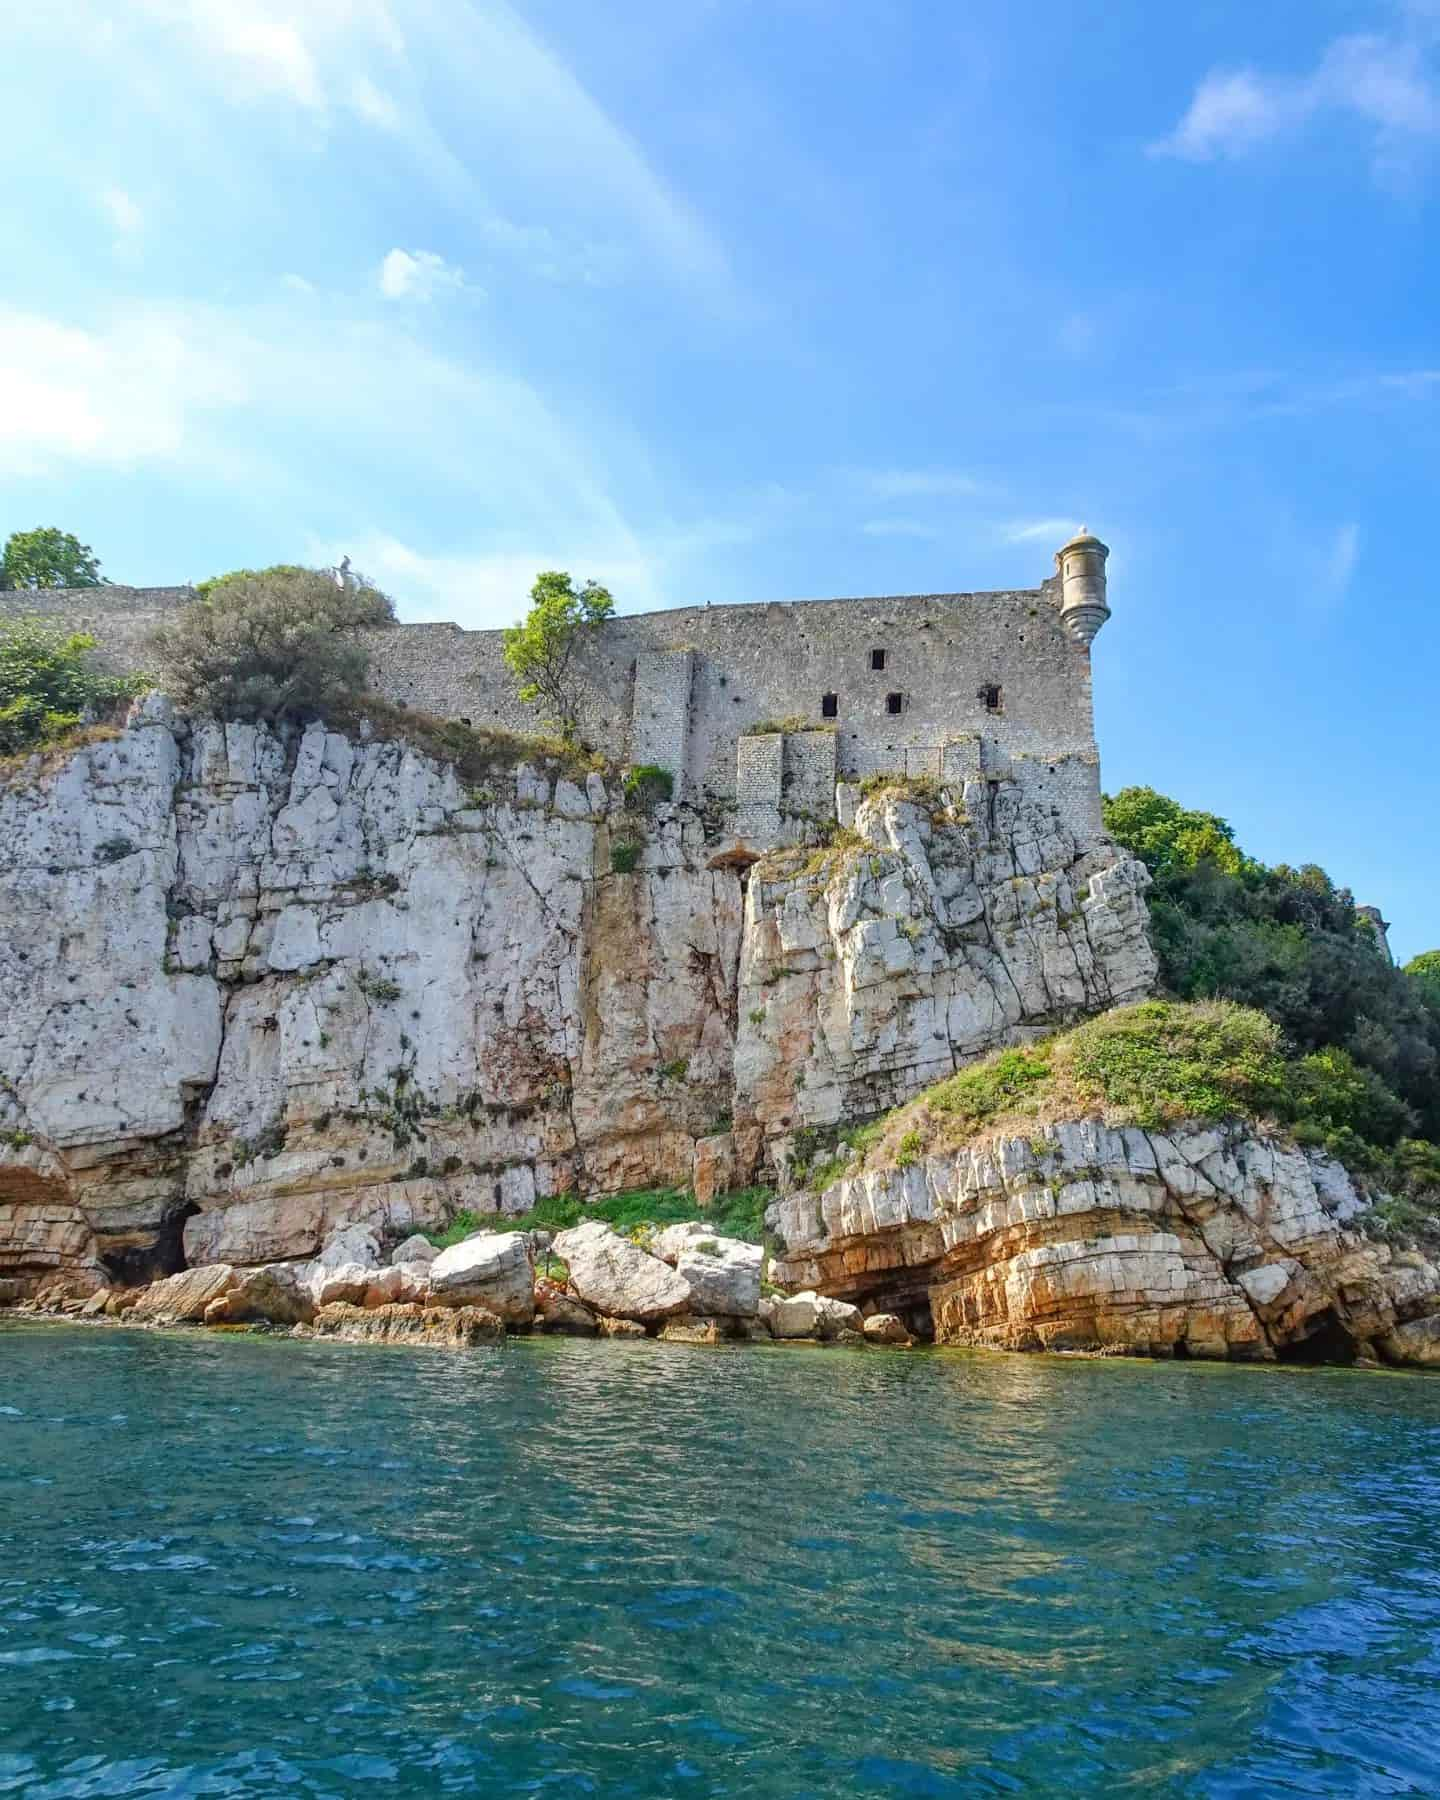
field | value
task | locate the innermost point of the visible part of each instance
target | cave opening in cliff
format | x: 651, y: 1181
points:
x: 1327, y: 1342
x: 136, y: 1265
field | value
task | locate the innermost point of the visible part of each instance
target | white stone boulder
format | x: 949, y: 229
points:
x: 724, y: 1276
x: 183, y: 1298
x: 668, y: 1244
x: 415, y: 1249
x: 494, y: 1269
x: 885, y: 1328
x: 345, y: 1284
x: 275, y: 1292
x: 618, y: 1278
x: 351, y: 1244
x: 810, y: 1315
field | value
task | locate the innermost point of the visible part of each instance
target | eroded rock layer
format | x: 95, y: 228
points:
x: 258, y: 986
x: 1206, y: 1242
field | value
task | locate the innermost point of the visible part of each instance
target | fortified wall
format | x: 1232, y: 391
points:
x: 767, y: 714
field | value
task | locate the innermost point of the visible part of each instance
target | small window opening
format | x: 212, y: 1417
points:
x: 994, y: 699
x: 877, y: 659
x: 894, y: 702
x: 829, y: 706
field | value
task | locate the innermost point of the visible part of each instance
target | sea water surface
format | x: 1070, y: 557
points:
x: 235, y: 1565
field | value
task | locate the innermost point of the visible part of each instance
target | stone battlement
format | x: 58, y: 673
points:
x: 764, y: 707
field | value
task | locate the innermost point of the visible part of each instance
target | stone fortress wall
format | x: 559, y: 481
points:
x: 951, y: 686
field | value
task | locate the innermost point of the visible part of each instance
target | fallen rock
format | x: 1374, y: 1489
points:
x: 885, y: 1328
x: 792, y: 1315
x: 618, y: 1278
x: 277, y: 1292
x: 415, y: 1249
x: 724, y: 1275
x: 443, y: 1327
x: 838, y: 1317
x: 561, y: 1312
x: 183, y: 1298
x: 97, y: 1304
x: 1417, y: 1343
x: 353, y: 1244
x: 494, y: 1269
x: 343, y: 1283
x: 619, y: 1328
x: 669, y: 1243
x: 716, y: 1329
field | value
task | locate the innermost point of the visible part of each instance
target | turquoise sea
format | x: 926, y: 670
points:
x: 236, y: 1565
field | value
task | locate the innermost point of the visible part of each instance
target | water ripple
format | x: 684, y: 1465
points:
x: 565, y: 1569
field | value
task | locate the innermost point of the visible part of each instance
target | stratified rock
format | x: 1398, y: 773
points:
x: 494, y: 1269
x: 885, y: 1328
x: 560, y: 1312
x: 277, y: 1292
x: 724, y: 1275
x: 1221, y: 1241
x: 444, y: 1327
x: 416, y: 1249
x: 182, y: 1299
x: 619, y: 1328
x: 616, y: 1277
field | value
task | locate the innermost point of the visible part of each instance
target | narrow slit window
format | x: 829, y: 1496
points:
x: 877, y: 659
x: 894, y: 703
x: 994, y: 699
x: 829, y: 706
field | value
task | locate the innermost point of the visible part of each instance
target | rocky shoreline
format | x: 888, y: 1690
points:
x: 687, y: 1286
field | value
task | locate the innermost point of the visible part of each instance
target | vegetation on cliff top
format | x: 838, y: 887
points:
x: 636, y: 1214
x: 50, y: 686
x: 47, y: 558
x: 540, y: 650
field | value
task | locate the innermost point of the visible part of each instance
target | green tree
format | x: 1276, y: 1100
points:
x: 540, y: 650
x: 1424, y: 970
x: 48, y: 558
x: 48, y: 683
x: 270, y: 643
x: 1164, y: 835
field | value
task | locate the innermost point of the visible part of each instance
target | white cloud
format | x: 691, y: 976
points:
x: 1030, y: 531
x: 122, y: 211
x: 298, y: 284
x: 418, y: 275
x: 900, y: 528
x: 1386, y: 81
x: 265, y: 46
x: 539, y: 250
x: 374, y: 104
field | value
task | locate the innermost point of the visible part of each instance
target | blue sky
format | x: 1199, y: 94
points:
x: 745, y: 299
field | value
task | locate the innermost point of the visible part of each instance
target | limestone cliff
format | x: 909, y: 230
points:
x: 1198, y: 1241
x: 257, y: 985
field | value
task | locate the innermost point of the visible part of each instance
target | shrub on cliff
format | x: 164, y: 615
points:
x: 269, y: 644
x: 49, y: 683
x: 540, y: 650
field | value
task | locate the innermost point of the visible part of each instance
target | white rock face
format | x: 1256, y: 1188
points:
x: 1215, y: 1241
x: 617, y: 1278
x: 723, y: 1274
x: 493, y: 1269
x: 289, y: 983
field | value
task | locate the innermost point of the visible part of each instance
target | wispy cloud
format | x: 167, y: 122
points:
x: 1387, y: 81
x: 1031, y: 531
x: 916, y: 484
x: 418, y: 275
x: 899, y: 528
x: 1344, y: 553
x: 122, y: 211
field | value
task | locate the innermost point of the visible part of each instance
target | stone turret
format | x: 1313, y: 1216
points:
x: 1081, y: 567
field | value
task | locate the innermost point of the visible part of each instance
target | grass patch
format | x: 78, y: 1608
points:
x: 794, y: 722
x: 637, y: 1214
x: 624, y: 856
x: 55, y: 751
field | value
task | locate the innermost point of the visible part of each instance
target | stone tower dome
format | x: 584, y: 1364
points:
x: 1081, y: 567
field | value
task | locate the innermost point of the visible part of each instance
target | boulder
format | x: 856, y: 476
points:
x: 1417, y: 1343
x: 668, y: 1244
x: 493, y: 1269
x: 617, y: 1277
x: 183, y: 1298
x: 352, y: 1244
x: 415, y: 1249
x: 345, y: 1283
x: 724, y: 1275
x: 698, y: 1329
x: 811, y: 1315
x: 277, y: 1292
x: 560, y: 1312
x: 885, y: 1328
x: 619, y: 1328
x: 444, y: 1327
